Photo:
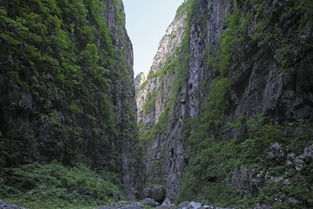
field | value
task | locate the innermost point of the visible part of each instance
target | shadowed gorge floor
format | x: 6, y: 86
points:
x: 223, y: 118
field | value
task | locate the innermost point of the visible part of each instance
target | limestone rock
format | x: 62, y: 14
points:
x: 276, y: 152
x: 194, y: 205
x: 150, y: 202
x: 4, y: 205
x: 157, y: 193
x: 182, y: 205
x: 262, y: 206
x: 167, y: 203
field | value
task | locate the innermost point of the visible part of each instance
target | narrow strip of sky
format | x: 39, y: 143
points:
x: 146, y: 23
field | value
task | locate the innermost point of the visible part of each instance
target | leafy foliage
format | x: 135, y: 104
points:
x: 53, y: 186
x: 66, y: 93
x: 214, y: 156
x: 211, y: 169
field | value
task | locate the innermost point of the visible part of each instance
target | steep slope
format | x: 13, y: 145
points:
x: 226, y: 111
x: 67, y: 92
x: 139, y: 80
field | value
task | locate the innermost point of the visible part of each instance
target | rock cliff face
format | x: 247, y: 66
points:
x: 166, y: 150
x: 67, y: 90
x: 230, y: 79
x: 139, y: 80
x: 152, y: 99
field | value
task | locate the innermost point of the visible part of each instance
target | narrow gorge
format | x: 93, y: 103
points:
x: 224, y: 116
x: 226, y: 110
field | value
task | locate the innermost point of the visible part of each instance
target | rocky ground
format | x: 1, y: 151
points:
x: 154, y: 197
x: 7, y: 206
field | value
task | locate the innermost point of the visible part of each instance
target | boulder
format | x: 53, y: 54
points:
x: 167, y: 203
x: 308, y: 153
x: 150, y: 202
x: 261, y: 206
x: 158, y: 193
x: 121, y: 203
x: 146, y: 193
x: 165, y: 207
x: 182, y: 205
x: 276, y: 152
x: 194, y: 205
x: 117, y: 206
x: 131, y: 207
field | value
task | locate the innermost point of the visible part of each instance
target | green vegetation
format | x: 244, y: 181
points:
x: 210, y: 170
x: 272, y: 29
x: 54, y: 186
x: 63, y: 82
x: 176, y: 67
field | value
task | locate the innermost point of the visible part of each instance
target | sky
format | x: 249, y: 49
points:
x: 146, y: 23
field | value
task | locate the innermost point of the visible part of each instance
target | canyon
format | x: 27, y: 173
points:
x: 224, y: 117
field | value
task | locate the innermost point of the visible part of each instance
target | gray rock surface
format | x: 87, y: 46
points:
x: 182, y: 205
x: 197, y: 205
x: 139, y: 80
x: 165, y: 159
x: 167, y: 203
x: 150, y: 202
x: 262, y: 206
x: 256, y: 86
x: 157, y: 193
x: 194, y: 205
x: 276, y: 152
x: 131, y: 206
x: 4, y: 205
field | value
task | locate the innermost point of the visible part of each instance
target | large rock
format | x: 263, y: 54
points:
x: 134, y: 206
x: 194, y: 205
x: 4, y: 205
x: 167, y: 203
x: 197, y: 205
x: 158, y: 193
x: 131, y: 207
x: 276, y: 152
x: 150, y: 202
x: 182, y: 205
x: 261, y: 206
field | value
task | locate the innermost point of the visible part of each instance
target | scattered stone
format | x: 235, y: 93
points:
x: 4, y: 205
x: 119, y: 206
x: 131, y: 207
x: 308, y: 153
x: 182, y: 205
x: 167, y: 203
x: 290, y: 159
x: 194, y: 205
x: 213, y: 207
x: 261, y: 206
x: 150, y: 202
x: 165, y: 207
x: 121, y: 203
x: 276, y: 152
x: 299, y: 163
x: 105, y: 207
x: 293, y: 201
x: 300, y: 160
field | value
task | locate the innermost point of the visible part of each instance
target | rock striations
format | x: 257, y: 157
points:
x: 228, y: 100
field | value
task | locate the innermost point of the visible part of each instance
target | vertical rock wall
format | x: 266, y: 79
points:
x: 203, y: 75
x: 67, y: 91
